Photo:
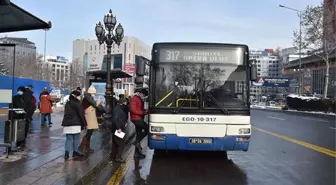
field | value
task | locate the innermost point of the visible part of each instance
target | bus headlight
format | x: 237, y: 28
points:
x: 244, y: 131
x: 157, y: 129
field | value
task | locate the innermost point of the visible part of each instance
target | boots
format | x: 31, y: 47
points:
x: 77, y: 154
x: 87, y: 147
x: 83, y: 145
x: 138, y: 154
x: 66, y: 155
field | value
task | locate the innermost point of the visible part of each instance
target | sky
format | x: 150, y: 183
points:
x: 258, y: 23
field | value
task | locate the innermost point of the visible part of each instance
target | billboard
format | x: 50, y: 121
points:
x: 272, y: 82
x: 276, y: 82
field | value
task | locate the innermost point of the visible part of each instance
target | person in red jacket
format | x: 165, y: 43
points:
x: 137, y: 114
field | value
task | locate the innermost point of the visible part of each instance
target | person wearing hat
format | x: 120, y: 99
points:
x: 73, y: 123
x: 119, y: 122
x: 138, y: 113
x: 90, y: 107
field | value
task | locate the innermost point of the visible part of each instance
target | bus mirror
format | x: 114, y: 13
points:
x: 139, y: 80
x: 140, y: 68
x: 253, y: 73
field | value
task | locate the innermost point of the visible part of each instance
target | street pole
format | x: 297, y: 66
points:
x: 44, y: 55
x: 300, y: 46
x: 109, y: 21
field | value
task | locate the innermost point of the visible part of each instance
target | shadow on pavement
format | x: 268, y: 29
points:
x: 193, y: 168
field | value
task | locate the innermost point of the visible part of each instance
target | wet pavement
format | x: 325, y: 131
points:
x: 285, y: 149
x: 42, y: 162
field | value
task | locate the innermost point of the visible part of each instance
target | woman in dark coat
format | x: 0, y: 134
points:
x: 73, y: 123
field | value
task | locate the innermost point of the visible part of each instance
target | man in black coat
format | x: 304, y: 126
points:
x: 29, y: 106
x: 18, y: 103
x: 119, y: 122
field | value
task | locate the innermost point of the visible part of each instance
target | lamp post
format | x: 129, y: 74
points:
x: 300, y: 44
x: 109, y: 38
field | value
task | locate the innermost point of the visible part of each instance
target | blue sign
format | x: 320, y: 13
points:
x: 100, y: 91
x: 61, y: 59
x: 276, y: 82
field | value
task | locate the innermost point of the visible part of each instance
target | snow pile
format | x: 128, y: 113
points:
x: 306, y: 103
x: 63, y: 101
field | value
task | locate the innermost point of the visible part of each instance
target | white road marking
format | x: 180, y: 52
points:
x: 332, y: 128
x: 275, y: 118
x: 320, y: 120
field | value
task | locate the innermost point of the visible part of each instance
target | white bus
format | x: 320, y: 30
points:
x: 199, y: 96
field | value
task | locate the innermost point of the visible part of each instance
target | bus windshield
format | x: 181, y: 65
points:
x: 200, y: 85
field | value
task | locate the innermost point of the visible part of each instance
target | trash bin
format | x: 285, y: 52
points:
x: 15, y: 126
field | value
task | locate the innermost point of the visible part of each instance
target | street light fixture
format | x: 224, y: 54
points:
x: 109, y: 38
x: 300, y: 44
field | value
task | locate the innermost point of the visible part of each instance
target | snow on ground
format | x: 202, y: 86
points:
x: 303, y: 97
x: 279, y: 108
x: 63, y: 101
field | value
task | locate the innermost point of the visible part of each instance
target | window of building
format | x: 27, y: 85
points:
x: 95, y: 47
x: 91, y: 47
x: 129, y: 45
x: 129, y: 57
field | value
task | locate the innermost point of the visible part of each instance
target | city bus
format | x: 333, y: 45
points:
x: 199, y: 96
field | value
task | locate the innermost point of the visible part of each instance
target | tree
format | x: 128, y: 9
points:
x: 76, y: 74
x: 314, y: 37
x: 4, y: 62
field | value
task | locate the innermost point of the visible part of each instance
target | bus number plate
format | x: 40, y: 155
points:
x: 200, y: 141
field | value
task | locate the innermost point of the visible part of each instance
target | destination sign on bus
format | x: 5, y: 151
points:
x: 225, y: 55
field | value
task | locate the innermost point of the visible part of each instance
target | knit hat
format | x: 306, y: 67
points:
x: 122, y: 100
x: 91, y: 90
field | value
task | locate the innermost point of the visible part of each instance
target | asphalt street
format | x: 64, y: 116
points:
x: 285, y: 149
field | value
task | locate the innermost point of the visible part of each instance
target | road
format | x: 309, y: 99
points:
x: 285, y: 150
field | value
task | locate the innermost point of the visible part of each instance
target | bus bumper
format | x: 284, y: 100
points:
x: 173, y: 142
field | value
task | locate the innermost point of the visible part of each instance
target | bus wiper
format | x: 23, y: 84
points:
x: 182, y: 103
x: 225, y: 111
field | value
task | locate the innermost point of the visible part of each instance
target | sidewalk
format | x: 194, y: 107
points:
x: 43, y: 162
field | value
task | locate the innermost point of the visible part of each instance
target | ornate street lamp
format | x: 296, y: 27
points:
x: 109, y: 21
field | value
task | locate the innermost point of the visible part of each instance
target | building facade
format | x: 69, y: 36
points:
x: 267, y: 66
x: 25, y: 50
x: 93, y: 56
x: 330, y: 21
x: 57, y: 71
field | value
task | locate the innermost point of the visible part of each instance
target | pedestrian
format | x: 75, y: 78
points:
x: 46, y: 102
x: 119, y: 122
x: 73, y: 123
x: 30, y: 106
x: 18, y: 103
x: 44, y: 92
x: 138, y: 113
x: 90, y: 107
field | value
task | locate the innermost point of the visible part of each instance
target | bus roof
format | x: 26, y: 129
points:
x: 158, y: 44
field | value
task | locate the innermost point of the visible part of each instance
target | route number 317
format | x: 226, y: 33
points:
x: 172, y: 55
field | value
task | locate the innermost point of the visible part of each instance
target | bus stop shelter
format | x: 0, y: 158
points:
x: 14, y: 18
x: 100, y: 76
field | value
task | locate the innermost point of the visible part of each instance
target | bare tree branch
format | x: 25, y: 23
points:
x: 315, y: 39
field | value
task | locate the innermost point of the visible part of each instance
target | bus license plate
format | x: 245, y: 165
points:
x: 200, y: 141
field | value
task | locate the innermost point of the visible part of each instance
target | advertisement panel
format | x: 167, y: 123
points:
x: 100, y: 91
x: 276, y: 82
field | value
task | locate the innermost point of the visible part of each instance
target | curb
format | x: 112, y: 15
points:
x: 101, y: 165
x: 333, y: 117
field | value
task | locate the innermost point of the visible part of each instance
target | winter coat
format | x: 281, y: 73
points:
x: 119, y: 119
x: 28, y: 99
x: 137, y: 109
x: 90, y: 106
x: 74, y: 114
x: 46, y: 104
x: 18, y: 102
